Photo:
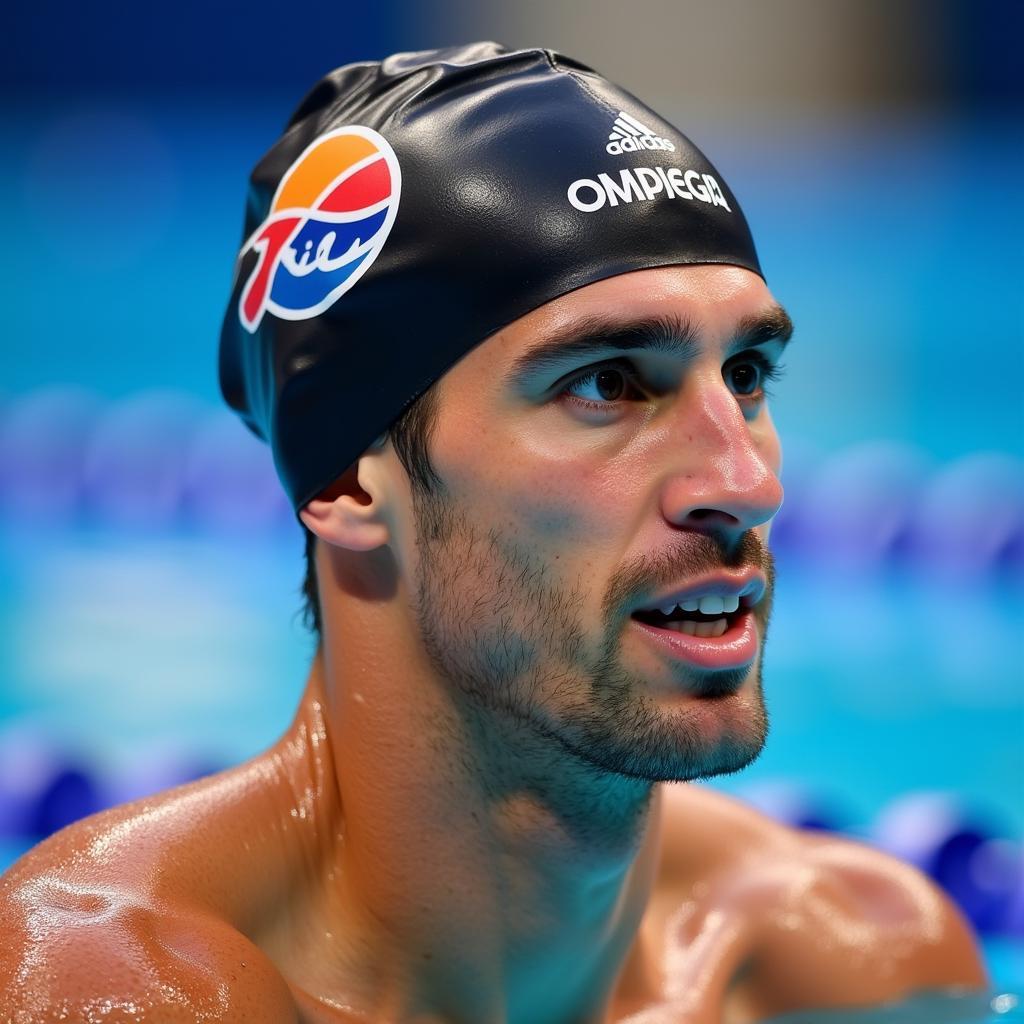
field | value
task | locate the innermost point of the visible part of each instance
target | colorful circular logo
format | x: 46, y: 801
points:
x: 327, y: 223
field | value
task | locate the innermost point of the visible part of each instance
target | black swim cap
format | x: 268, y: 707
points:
x: 416, y: 205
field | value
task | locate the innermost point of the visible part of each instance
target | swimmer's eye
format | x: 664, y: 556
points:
x: 609, y: 382
x: 767, y: 371
x: 612, y: 377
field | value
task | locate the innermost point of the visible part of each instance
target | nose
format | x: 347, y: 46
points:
x: 724, y: 472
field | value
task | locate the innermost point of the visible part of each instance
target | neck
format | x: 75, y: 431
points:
x: 468, y: 867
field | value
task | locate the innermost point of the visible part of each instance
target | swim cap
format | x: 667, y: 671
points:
x: 414, y: 206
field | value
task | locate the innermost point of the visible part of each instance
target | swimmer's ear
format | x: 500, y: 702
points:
x: 349, y: 513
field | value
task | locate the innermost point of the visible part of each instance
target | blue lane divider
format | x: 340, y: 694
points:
x: 162, y: 459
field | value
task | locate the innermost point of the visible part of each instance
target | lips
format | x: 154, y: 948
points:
x: 748, y: 586
x: 736, y: 647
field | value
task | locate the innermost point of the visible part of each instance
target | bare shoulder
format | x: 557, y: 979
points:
x: 103, y: 919
x: 905, y: 918
x: 828, y: 920
x: 706, y: 831
x: 76, y: 949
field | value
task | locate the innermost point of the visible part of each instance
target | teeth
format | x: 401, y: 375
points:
x: 712, y: 605
x: 690, y: 628
x: 709, y: 605
x: 716, y: 628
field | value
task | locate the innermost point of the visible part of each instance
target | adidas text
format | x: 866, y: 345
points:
x: 631, y: 145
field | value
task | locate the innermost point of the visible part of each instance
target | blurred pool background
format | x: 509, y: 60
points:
x: 150, y: 568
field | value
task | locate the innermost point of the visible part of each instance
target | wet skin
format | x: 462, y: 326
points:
x: 481, y: 811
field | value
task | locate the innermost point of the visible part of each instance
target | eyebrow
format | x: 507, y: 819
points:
x: 673, y: 335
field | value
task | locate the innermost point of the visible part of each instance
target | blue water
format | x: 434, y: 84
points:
x: 118, y: 644
x: 930, y: 1008
x: 122, y: 645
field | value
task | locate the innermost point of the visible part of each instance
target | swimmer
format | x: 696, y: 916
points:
x: 506, y: 333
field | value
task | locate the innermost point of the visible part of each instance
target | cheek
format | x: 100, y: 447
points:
x: 768, y: 442
x: 771, y: 450
x: 556, y: 505
x: 543, y: 494
x: 773, y: 453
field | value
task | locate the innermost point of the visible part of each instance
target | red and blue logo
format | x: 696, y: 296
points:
x: 328, y: 221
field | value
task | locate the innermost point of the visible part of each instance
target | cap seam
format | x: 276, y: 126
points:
x: 600, y: 101
x: 575, y: 76
x: 407, y: 102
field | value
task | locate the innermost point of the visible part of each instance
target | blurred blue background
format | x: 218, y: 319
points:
x: 150, y: 568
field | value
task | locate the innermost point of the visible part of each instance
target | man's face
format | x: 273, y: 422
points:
x: 578, y: 490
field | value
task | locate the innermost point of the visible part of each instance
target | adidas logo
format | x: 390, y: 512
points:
x: 629, y: 135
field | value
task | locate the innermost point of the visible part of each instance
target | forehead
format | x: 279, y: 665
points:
x: 713, y: 298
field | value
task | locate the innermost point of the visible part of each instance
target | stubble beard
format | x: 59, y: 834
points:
x: 513, y: 642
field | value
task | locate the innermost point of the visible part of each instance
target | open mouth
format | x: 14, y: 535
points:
x: 710, y: 640
x: 692, y: 623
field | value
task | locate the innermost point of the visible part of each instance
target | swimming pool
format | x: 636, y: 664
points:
x: 213, y: 617
x: 929, y: 1008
